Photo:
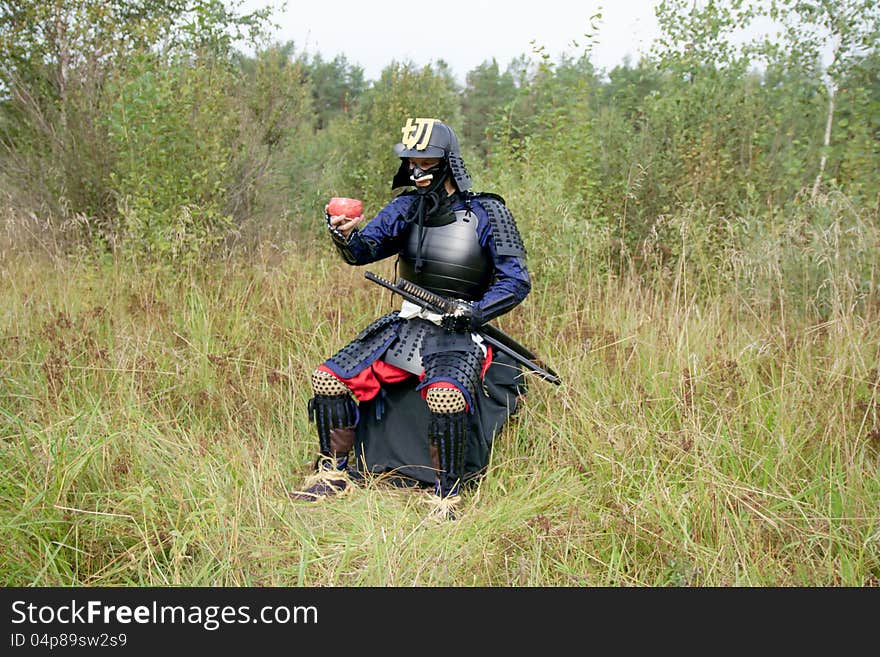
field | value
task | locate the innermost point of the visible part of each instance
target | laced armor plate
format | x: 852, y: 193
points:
x: 508, y: 241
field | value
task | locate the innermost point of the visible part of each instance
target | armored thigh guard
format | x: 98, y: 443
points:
x: 368, y: 346
x: 453, y: 358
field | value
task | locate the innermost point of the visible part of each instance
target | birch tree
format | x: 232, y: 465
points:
x: 842, y: 32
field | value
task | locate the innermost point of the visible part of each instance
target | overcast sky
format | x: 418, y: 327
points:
x: 464, y: 33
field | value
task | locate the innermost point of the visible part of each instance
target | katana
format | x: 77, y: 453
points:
x: 494, y: 336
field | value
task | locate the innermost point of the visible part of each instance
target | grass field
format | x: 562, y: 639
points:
x: 151, y: 424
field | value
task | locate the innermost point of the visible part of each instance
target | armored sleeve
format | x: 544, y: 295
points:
x: 379, y: 239
x: 511, y: 276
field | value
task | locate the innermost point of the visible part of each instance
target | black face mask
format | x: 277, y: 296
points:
x: 439, y: 173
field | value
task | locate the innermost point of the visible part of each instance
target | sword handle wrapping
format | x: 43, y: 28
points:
x: 442, y: 303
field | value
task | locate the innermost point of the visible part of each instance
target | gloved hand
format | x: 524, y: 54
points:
x: 335, y: 233
x: 465, y: 318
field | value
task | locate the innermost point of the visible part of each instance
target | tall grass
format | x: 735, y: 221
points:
x: 717, y: 425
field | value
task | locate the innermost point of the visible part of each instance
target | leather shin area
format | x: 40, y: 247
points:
x: 341, y: 440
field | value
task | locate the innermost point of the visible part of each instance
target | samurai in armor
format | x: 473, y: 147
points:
x: 418, y: 395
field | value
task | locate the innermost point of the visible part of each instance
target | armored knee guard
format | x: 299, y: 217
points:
x: 335, y: 414
x: 448, y: 436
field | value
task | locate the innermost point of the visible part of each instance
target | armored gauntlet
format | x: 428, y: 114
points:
x: 464, y: 318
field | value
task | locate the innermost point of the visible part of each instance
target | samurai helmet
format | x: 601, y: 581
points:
x: 430, y: 138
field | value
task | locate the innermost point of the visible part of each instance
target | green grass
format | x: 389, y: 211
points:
x: 150, y: 426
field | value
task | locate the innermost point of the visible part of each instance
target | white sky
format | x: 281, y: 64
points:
x: 372, y: 34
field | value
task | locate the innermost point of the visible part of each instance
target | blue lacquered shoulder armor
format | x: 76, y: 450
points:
x: 504, y: 231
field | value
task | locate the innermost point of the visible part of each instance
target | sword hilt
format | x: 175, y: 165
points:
x: 425, y: 295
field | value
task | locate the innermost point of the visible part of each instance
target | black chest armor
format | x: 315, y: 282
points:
x: 452, y: 261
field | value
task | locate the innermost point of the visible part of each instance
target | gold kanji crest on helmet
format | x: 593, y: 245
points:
x: 417, y: 133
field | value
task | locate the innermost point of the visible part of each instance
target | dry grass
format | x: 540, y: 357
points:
x: 150, y: 426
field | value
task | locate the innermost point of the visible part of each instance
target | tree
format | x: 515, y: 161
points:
x: 336, y: 86
x: 487, y: 91
x: 847, y: 30
x: 70, y: 70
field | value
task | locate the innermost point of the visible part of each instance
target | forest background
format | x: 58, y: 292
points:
x: 703, y: 229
